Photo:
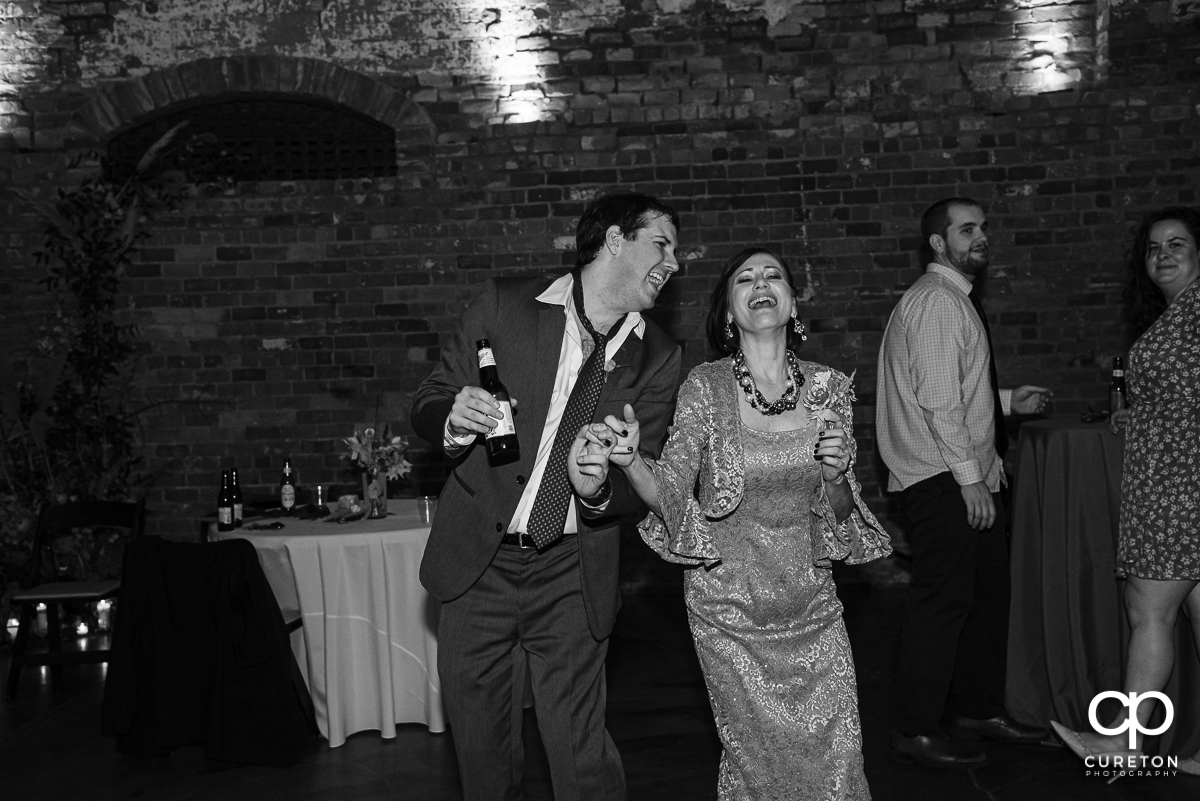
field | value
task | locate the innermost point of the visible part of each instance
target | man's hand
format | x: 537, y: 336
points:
x: 1118, y: 420
x: 475, y: 411
x: 981, y: 509
x: 588, y: 460
x: 1030, y: 400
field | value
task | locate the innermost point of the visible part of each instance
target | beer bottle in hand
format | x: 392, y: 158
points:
x: 287, y: 488
x: 225, y: 505
x: 235, y: 495
x: 502, y: 446
x: 1116, y: 387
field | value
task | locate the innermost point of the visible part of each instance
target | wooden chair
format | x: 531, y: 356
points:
x: 43, y: 589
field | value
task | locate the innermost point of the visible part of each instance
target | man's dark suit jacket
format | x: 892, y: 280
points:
x: 479, y: 499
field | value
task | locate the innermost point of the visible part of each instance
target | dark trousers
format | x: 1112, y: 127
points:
x: 526, y: 612
x: 954, y: 641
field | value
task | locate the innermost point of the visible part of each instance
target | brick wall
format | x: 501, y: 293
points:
x: 823, y: 129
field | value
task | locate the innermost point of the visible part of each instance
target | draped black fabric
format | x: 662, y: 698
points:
x: 549, y: 511
x: 201, y: 656
x: 998, y: 411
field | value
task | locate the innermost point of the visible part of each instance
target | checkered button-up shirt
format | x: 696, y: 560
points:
x: 933, y: 395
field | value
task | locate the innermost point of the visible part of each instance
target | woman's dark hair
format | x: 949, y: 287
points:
x: 1145, y: 299
x: 629, y: 211
x: 718, y: 308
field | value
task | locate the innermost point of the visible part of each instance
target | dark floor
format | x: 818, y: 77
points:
x: 51, y: 747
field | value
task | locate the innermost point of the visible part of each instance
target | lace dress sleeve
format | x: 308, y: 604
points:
x: 682, y: 534
x: 859, y: 538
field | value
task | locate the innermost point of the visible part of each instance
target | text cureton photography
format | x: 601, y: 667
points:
x: 1112, y: 765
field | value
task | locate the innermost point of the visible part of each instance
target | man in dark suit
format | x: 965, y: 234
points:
x: 526, y: 570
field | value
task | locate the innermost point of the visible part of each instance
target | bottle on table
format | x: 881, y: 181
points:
x: 235, y: 495
x: 225, y: 505
x: 1116, y: 387
x: 502, y: 445
x: 287, y: 487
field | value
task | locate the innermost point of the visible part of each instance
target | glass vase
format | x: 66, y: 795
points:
x: 375, y: 494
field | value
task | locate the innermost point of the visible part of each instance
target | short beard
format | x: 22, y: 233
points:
x: 968, y: 263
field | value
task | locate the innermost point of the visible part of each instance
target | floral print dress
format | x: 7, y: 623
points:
x: 1160, y: 485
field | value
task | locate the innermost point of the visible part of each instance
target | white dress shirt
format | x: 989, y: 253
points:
x: 933, y: 395
x: 571, y: 356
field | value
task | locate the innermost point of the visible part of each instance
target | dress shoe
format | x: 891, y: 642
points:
x: 1001, y: 727
x: 936, y: 751
x: 1079, y: 748
x: 1189, y: 767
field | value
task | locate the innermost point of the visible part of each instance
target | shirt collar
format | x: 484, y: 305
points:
x: 559, y: 294
x: 952, y: 275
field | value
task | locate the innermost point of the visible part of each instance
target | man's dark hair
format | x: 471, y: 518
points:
x: 718, y: 306
x: 1145, y: 299
x: 936, y: 220
x: 629, y: 211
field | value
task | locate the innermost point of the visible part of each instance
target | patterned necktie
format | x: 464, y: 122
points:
x: 1001, y: 430
x: 549, y: 511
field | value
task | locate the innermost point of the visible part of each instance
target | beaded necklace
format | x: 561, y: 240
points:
x: 791, y: 391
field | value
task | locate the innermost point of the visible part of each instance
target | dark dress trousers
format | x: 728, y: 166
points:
x: 505, y: 607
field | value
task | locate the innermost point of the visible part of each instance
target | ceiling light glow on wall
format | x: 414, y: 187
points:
x: 516, y: 53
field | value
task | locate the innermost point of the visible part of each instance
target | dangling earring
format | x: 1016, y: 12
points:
x: 798, y: 326
x: 728, y: 332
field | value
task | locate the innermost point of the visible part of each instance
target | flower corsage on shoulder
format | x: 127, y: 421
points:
x: 824, y: 392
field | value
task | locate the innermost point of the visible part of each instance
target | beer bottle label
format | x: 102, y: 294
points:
x: 237, y: 511
x: 287, y: 496
x: 486, y: 359
x: 504, y: 426
x: 225, y: 515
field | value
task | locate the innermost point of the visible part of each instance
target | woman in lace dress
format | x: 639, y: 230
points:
x: 1158, y: 542
x: 777, y: 502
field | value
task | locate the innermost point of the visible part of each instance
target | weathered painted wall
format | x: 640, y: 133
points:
x: 822, y: 128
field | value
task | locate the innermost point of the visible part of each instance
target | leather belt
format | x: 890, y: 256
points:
x: 523, y: 540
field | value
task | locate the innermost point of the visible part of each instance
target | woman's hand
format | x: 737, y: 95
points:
x: 627, y: 434
x: 588, y: 460
x: 1118, y: 420
x: 833, y: 453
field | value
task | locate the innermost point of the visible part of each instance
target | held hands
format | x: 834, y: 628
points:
x: 627, y: 434
x: 475, y: 411
x: 600, y: 445
x: 588, y: 460
x: 1030, y: 400
x: 1118, y: 420
x: 981, y: 509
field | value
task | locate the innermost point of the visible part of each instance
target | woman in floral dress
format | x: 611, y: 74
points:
x: 1158, y: 547
x: 777, y: 501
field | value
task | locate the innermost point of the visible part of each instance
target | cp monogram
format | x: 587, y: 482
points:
x: 1131, y: 722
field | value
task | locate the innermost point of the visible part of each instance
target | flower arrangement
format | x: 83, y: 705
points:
x: 378, y: 455
x: 824, y: 392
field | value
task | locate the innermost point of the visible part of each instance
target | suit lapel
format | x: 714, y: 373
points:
x: 629, y: 357
x: 551, y: 324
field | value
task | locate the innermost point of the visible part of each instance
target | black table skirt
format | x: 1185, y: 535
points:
x: 1068, y: 631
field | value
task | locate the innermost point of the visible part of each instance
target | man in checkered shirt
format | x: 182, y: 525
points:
x: 942, y: 440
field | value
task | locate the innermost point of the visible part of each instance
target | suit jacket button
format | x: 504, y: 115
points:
x: 499, y: 527
x: 520, y: 479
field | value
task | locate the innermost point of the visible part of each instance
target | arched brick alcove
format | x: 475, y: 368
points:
x: 115, y: 107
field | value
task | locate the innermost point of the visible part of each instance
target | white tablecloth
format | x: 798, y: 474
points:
x: 368, y: 646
